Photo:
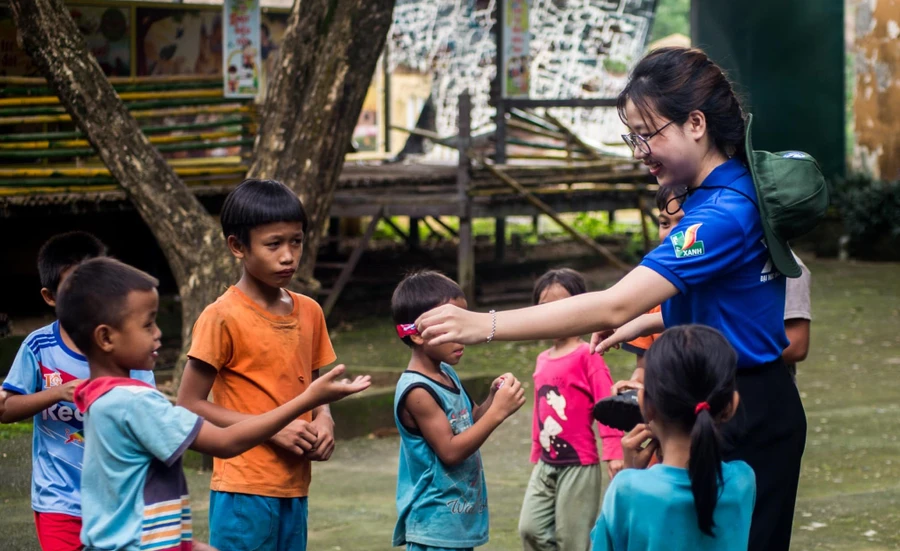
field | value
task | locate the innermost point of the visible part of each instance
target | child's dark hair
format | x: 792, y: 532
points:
x: 256, y: 202
x: 569, y: 279
x: 64, y: 251
x: 94, y: 294
x: 418, y: 293
x: 689, y: 368
x: 664, y: 194
x: 675, y: 81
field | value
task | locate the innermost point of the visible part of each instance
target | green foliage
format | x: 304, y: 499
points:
x: 672, y: 16
x: 870, y: 210
x: 615, y: 66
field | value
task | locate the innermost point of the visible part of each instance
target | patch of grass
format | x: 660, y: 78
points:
x: 14, y: 430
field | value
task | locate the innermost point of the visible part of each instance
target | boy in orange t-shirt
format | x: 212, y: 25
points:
x: 256, y: 347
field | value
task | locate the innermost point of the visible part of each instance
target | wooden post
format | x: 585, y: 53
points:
x: 415, y: 238
x: 334, y: 235
x: 465, y: 274
x: 499, y: 238
x: 644, y: 230
x: 386, y: 76
x: 499, y: 100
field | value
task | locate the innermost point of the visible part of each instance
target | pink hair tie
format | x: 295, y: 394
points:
x: 406, y: 329
x: 700, y: 407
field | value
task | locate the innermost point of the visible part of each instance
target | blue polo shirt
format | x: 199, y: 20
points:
x: 717, y: 258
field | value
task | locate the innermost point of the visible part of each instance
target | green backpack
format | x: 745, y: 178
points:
x: 792, y: 198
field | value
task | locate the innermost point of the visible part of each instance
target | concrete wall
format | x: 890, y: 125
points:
x: 873, y: 37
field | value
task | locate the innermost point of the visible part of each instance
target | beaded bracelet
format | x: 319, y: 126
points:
x: 493, y: 314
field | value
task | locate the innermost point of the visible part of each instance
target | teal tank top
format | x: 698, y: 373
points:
x: 438, y: 505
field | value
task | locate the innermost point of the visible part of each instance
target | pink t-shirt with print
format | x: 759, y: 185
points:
x: 565, y: 391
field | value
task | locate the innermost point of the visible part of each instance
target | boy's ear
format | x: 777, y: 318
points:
x: 417, y: 339
x: 103, y: 338
x: 48, y: 297
x: 731, y: 408
x: 236, y: 247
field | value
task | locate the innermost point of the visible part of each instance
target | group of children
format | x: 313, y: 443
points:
x: 108, y: 446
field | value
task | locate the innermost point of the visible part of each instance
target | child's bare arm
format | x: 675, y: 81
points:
x: 453, y: 449
x: 24, y: 406
x: 797, y: 331
x: 193, y: 394
x: 240, y: 436
x: 323, y: 427
x: 641, y: 326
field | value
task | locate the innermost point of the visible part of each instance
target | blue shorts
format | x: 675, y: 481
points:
x: 244, y: 522
x: 419, y: 547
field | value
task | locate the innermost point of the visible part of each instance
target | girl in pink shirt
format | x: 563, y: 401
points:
x: 562, y: 501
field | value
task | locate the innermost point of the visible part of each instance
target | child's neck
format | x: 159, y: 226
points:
x: 103, y: 366
x: 675, y: 446
x: 270, y: 298
x: 561, y: 347
x: 421, y: 363
x: 67, y: 340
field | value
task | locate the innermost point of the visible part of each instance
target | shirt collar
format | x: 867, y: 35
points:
x: 721, y: 176
x: 91, y: 390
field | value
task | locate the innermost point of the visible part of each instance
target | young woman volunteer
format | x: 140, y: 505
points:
x: 688, y: 128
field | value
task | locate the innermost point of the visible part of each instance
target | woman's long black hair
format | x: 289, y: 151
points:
x: 688, y: 366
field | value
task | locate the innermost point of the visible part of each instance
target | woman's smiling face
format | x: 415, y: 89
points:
x: 675, y: 151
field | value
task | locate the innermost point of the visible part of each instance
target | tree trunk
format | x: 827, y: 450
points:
x: 189, y: 237
x: 328, y: 57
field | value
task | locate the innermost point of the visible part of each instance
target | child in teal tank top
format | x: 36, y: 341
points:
x: 442, y: 500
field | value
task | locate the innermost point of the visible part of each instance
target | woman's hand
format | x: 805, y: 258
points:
x: 636, y: 455
x: 450, y: 323
x: 600, y: 341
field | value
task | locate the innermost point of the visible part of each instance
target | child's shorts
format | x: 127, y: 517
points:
x: 58, y: 532
x: 420, y: 547
x: 244, y: 521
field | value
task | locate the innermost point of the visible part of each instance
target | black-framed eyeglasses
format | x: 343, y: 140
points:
x: 636, y: 141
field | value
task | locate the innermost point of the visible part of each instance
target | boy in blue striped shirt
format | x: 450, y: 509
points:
x: 40, y: 384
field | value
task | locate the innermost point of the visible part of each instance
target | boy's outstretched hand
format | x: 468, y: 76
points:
x: 3, y: 396
x: 509, y: 397
x: 328, y: 388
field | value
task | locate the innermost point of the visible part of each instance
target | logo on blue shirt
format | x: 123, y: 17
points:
x: 794, y: 155
x: 686, y: 243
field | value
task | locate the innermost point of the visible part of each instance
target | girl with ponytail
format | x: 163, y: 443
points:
x: 692, y: 500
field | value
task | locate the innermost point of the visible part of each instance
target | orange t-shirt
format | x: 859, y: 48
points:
x: 263, y: 361
x: 642, y: 344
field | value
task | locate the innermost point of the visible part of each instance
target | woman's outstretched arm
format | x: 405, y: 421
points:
x: 637, y: 292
